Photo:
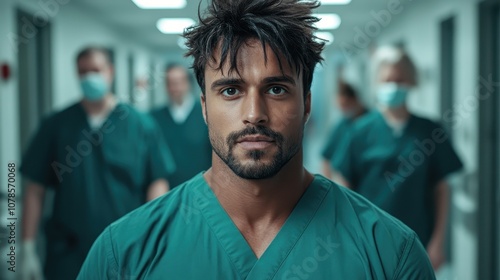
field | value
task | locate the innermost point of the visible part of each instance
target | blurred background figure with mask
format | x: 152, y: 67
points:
x: 183, y: 127
x: 352, y: 108
x: 102, y: 158
x: 400, y: 161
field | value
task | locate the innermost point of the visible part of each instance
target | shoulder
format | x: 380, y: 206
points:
x: 155, y: 216
x: 366, y: 213
x: 383, y: 237
x: 367, y: 121
x: 158, y: 112
x: 141, y: 120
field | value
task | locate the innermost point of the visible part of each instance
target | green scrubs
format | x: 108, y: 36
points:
x: 399, y: 173
x: 98, y: 176
x: 332, y: 233
x: 188, y: 142
x: 337, y: 135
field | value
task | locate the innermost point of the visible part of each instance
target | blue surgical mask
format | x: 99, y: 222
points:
x: 94, y: 86
x: 392, y: 95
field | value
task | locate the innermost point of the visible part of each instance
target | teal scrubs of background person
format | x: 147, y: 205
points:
x: 332, y: 233
x: 102, y: 159
x: 181, y: 122
x: 93, y: 187
x: 188, y: 141
x: 399, y: 173
x: 351, y: 107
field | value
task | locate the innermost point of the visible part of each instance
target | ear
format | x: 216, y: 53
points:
x: 203, y: 106
x: 307, y: 107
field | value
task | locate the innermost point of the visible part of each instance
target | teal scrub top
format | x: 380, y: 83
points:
x: 332, y: 233
x: 188, y: 142
x: 398, y: 173
x: 98, y: 176
x: 336, y: 137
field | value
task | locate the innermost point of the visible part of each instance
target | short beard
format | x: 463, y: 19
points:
x: 287, y: 149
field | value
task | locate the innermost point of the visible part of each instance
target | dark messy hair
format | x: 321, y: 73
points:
x: 87, y: 51
x: 287, y: 26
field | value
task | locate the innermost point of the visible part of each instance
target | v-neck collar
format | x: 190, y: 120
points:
x: 237, y: 248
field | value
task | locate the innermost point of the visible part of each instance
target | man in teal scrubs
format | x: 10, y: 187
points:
x: 102, y: 158
x: 352, y: 108
x: 400, y: 161
x: 181, y: 122
x: 257, y: 213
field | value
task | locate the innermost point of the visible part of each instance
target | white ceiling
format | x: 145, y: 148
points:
x: 125, y: 16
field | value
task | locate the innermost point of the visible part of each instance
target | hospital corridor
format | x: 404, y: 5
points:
x: 215, y: 139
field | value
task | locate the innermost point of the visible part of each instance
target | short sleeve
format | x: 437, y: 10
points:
x: 414, y: 262
x: 444, y: 160
x: 160, y: 161
x: 100, y: 262
x: 37, y: 162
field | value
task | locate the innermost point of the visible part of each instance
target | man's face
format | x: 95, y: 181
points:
x: 95, y: 62
x: 177, y: 84
x: 346, y: 104
x: 255, y: 119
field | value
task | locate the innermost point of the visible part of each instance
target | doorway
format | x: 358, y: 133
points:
x: 489, y: 148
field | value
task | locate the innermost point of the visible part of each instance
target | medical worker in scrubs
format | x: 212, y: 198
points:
x: 101, y: 157
x: 398, y: 160
x: 351, y: 108
x: 183, y: 127
x: 257, y: 213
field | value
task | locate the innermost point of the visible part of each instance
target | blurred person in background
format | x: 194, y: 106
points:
x: 398, y: 160
x: 352, y: 108
x: 101, y: 157
x: 183, y: 127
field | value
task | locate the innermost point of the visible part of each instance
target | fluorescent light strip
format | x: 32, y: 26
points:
x: 174, y: 25
x: 328, y: 21
x: 335, y: 2
x: 160, y: 4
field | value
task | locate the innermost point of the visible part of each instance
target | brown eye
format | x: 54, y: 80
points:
x: 276, y: 90
x: 229, y: 92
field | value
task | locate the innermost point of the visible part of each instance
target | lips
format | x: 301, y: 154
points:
x: 255, y: 142
x: 255, y: 138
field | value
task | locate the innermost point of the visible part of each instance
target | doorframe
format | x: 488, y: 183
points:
x: 489, y: 139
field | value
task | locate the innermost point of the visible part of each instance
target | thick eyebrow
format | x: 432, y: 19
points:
x: 268, y: 80
x: 226, y: 82
x: 279, y: 79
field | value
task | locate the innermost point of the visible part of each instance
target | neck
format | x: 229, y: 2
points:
x: 259, y: 201
x: 396, y: 115
x: 99, y: 106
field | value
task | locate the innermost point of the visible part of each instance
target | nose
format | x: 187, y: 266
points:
x: 255, y: 111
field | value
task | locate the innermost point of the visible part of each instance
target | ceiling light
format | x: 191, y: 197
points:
x: 325, y: 36
x: 335, y: 2
x: 174, y: 25
x: 328, y: 21
x: 181, y: 42
x: 160, y: 4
